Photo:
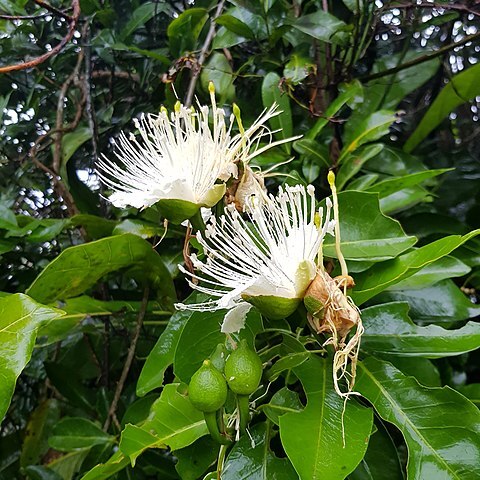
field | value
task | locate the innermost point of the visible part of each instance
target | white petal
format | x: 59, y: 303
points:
x: 235, y: 318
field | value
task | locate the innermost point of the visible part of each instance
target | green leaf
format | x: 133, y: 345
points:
x: 138, y: 227
x: 287, y: 362
x: 78, y: 268
x: 421, y: 368
x: 472, y: 392
x: 37, y: 472
x: 462, y: 87
x: 194, y: 460
x: 298, y: 68
x: 321, y: 453
x: 443, y: 268
x: 72, y: 141
x: 351, y: 92
x: 39, y: 427
x: 71, y: 434
x: 20, y: 318
x: 173, y: 422
x: 312, y: 150
x: 96, y: 227
x: 322, y: 26
x: 392, y: 185
x: 203, y: 331
x: 421, y: 414
x: 141, y: 16
x: 283, y: 401
x: 382, y: 275
x: 69, y: 464
x: 442, y: 302
x: 103, y: 471
x: 235, y: 25
x: 271, y: 94
x: 162, y: 354
x: 381, y: 460
x: 404, y: 199
x: 389, y: 330
x: 372, y: 128
x: 184, y: 30
x: 8, y: 220
x: 219, y: 71
x: 253, y: 459
x: 366, y: 234
x: 354, y: 162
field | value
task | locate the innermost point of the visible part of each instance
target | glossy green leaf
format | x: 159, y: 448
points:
x: 69, y: 464
x: 162, y: 354
x: 72, y: 141
x: 219, y: 71
x: 287, y: 362
x: 353, y: 163
x: 203, y: 331
x: 421, y: 414
x: 103, y: 471
x: 235, y: 25
x: 20, y: 318
x: 472, y: 392
x: 252, y: 459
x: 184, y: 30
x: 140, y: 16
x: 96, y: 227
x: 173, y: 422
x: 442, y: 302
x: 298, y: 68
x: 195, y: 459
x: 372, y: 128
x: 366, y: 234
x: 385, y: 274
x: 321, y: 453
x: 78, y: 268
x: 313, y: 151
x: 283, y: 401
x: 462, y: 87
x: 404, y: 199
x: 443, y: 268
x: 389, y: 330
x: 271, y: 94
x: 138, y: 227
x: 72, y: 434
x: 8, y: 220
x: 392, y: 185
x: 322, y: 26
x: 422, y: 369
x: 381, y: 460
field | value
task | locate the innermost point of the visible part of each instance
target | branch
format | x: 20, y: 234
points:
x: 423, y: 58
x: 128, y: 363
x: 202, y: 56
x: 53, y: 10
x: 54, y: 50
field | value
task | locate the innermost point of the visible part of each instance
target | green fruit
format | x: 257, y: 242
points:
x: 208, y: 389
x: 243, y: 370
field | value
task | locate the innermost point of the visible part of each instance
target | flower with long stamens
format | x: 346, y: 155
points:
x: 268, y: 260
x: 180, y: 163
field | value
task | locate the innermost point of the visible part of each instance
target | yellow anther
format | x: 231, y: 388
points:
x: 177, y: 106
x: 236, y: 112
x: 211, y: 87
x: 331, y: 178
x: 317, y: 220
x: 163, y: 110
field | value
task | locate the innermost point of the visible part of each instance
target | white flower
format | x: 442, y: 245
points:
x: 181, y: 158
x: 271, y: 259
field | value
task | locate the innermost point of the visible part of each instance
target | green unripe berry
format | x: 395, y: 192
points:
x: 243, y: 370
x: 208, y: 389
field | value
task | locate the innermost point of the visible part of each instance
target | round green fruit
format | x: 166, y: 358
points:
x: 243, y: 370
x: 208, y: 389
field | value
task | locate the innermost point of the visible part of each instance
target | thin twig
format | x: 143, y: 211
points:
x: 54, y: 50
x: 53, y: 10
x: 203, y: 55
x: 423, y: 58
x: 128, y: 363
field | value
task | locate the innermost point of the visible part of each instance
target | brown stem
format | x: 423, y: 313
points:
x: 419, y: 60
x: 128, y: 363
x: 54, y: 50
x: 203, y: 55
x: 52, y: 9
